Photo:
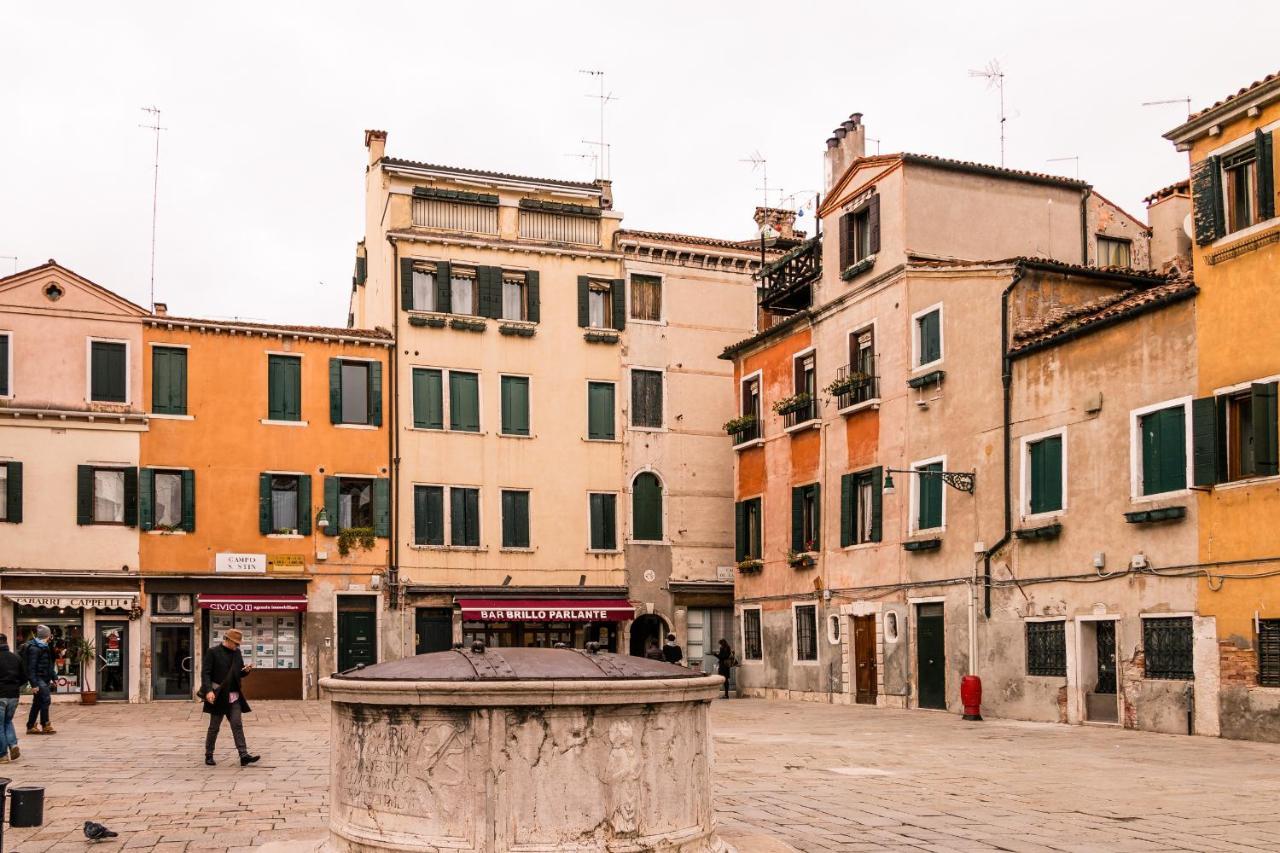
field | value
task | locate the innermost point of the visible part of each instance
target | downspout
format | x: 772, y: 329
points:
x: 1084, y: 225
x: 393, y: 438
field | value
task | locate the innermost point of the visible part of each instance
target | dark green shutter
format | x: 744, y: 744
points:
x: 13, y: 493
x: 382, y: 507
x: 600, y: 409
x: 189, y: 501
x: 420, y: 515
x: 847, y: 508
x: 375, y: 393
x: 873, y: 224
x: 434, y: 506
x: 930, y: 337
x: 797, y: 518
x: 740, y: 531
x: 515, y: 405
x: 146, y: 499
x: 464, y: 402
x: 1265, y: 459
x: 877, y: 503
x: 646, y: 508
x: 428, y: 399
x: 515, y: 519
x: 304, y: 503
x: 522, y: 520
x: 1164, y: 451
x: 331, y: 504
x: 1206, y: 194
x: 168, y: 381
x: 508, y: 520
x: 930, y: 509
x: 1207, y: 458
x: 406, y: 284
x: 618, y: 298
x: 335, y: 390
x: 284, y: 388
x: 84, y: 494
x: 464, y: 525
x: 584, y: 301
x: 532, y: 297
x: 131, y: 497
x: 109, y: 381
x: 489, y: 283
x: 604, y: 536
x: 1046, y: 475
x: 1266, y: 176
x: 815, y: 491
x: 756, y: 511
x: 444, y: 287
x: 264, y: 504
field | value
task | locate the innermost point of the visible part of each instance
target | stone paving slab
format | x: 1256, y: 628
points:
x: 790, y: 777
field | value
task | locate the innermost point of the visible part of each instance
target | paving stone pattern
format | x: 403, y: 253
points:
x: 790, y: 776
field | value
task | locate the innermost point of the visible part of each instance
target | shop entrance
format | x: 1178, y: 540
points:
x: 171, y: 661
x: 645, y: 630
x: 931, y: 661
x: 864, y: 656
x: 66, y: 625
x: 433, y: 629
x: 357, y: 631
x: 112, y: 648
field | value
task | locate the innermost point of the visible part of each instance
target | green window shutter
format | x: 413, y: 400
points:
x: 464, y: 402
x: 264, y: 504
x: 428, y: 399
x: 189, y: 501
x: 464, y: 526
x: 1163, y: 451
x: 846, y: 240
x: 420, y: 515
x: 146, y: 499
x: 930, y: 509
x: 522, y: 520
x: 1265, y: 458
x: 532, y: 296
x: 756, y: 511
x: 515, y: 519
x: 331, y: 504
x: 604, y: 536
x: 428, y: 515
x: 508, y: 520
x: 160, y: 381
x: 382, y: 507
x: 1206, y: 195
x: 646, y: 508
x: 1046, y: 475
x: 930, y: 337
x: 178, y: 385
x: 618, y: 298
x: 847, y: 510
x: 406, y: 284
x: 600, y: 409
x: 1207, y: 458
x: 515, y: 405
x: 109, y: 376
x: 489, y: 283
x: 335, y: 390
x: 284, y: 388
x: 375, y: 393
x: 584, y: 299
x: 304, y: 503
x: 131, y: 497
x: 444, y: 287
x: 797, y: 518
x: 13, y: 493
x: 1266, y: 176
x: 84, y: 494
x: 877, y: 504
x: 873, y: 224
x: 816, y: 491
x: 740, y: 531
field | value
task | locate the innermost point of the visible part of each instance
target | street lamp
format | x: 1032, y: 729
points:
x: 959, y: 480
x: 322, y: 518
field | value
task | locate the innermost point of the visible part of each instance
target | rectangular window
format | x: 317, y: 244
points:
x: 646, y: 298
x: 424, y: 288
x: 861, y: 227
x: 751, y: 397
x: 804, y: 517
x: 751, y: 646
x: 1045, y: 480
x: 284, y: 388
x: 604, y: 521
x: 355, y: 392
x: 1269, y: 652
x: 1167, y: 648
x: 1047, y: 649
x: 108, y: 372
x: 428, y: 398
x: 285, y: 507
x: 515, y: 518
x: 807, y: 632
x: 1114, y: 252
x: 600, y: 306
x: 355, y: 503
x: 929, y: 496
x: 515, y: 405
x: 861, y: 507
x: 806, y: 373
x: 428, y: 515
x: 1241, y: 460
x: 929, y: 337
x: 600, y: 408
x: 4, y: 491
x: 108, y: 496
x: 646, y: 399
x: 6, y: 356
x: 169, y: 380
x: 1240, y: 188
x: 1164, y: 450
x: 464, y: 401
x: 514, y: 296
x: 464, y: 517
x: 749, y: 524
x: 167, y: 500
x: 462, y: 291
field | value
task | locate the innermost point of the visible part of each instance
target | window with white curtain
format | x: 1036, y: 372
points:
x: 513, y: 296
x: 108, y: 497
x: 284, y: 503
x: 168, y: 499
x: 462, y: 292
x: 424, y: 289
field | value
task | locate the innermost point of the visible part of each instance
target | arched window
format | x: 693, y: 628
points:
x: 646, y: 508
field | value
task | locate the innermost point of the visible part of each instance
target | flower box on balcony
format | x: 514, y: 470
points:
x: 854, y: 270
x: 740, y: 425
x: 750, y: 567
x: 467, y: 324
x: 794, y: 403
x: 519, y: 330
x: 1044, y: 531
x: 598, y: 337
x: 433, y: 322
x: 1148, y: 516
x: 847, y: 384
x: 802, y: 559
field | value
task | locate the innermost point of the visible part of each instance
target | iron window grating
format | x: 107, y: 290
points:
x: 1047, y: 649
x: 1269, y: 652
x: 807, y: 632
x: 751, y: 635
x: 1166, y: 647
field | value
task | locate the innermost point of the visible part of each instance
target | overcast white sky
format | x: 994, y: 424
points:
x: 262, y: 162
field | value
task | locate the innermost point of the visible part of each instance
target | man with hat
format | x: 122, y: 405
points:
x: 220, y: 691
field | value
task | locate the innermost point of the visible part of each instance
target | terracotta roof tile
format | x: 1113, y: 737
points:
x: 330, y: 331
x: 1111, y: 307
x: 691, y: 239
x: 1246, y: 90
x: 1182, y: 186
x: 1039, y: 263
x: 970, y: 165
x: 480, y: 173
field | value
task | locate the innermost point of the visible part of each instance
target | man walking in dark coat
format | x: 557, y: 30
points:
x: 39, y: 660
x: 221, y: 693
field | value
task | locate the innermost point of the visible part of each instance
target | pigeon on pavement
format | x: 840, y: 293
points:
x: 97, y: 832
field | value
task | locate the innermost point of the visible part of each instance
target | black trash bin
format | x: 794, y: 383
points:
x: 27, y: 806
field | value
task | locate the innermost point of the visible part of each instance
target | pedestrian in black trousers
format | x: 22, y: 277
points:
x: 724, y: 656
x: 221, y: 693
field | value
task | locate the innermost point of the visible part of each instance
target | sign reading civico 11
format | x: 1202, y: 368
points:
x: 244, y: 564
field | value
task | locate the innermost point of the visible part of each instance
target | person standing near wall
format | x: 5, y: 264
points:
x: 220, y: 690
x: 39, y: 660
x: 12, y: 677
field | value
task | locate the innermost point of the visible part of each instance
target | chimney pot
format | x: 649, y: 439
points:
x: 849, y: 125
x: 160, y: 309
x: 840, y: 132
x: 856, y: 118
x: 833, y: 142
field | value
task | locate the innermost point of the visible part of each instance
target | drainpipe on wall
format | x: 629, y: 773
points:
x: 1084, y: 225
x: 393, y: 438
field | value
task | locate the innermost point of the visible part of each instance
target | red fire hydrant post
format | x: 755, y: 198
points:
x: 971, y: 697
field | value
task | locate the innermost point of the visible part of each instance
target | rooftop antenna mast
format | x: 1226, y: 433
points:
x: 155, y: 193
x: 602, y: 162
x: 995, y: 78
x: 1186, y: 100
x: 1075, y: 157
x: 758, y: 161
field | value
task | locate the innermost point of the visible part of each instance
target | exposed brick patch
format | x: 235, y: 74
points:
x: 1062, y: 704
x: 1237, y: 666
x: 1130, y: 676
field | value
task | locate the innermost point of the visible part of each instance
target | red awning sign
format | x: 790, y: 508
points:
x: 254, y: 603
x: 546, y: 610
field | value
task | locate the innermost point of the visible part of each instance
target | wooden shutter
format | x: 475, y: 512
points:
x: 160, y: 380
x: 522, y: 520
x: 584, y: 301
x: 873, y: 224
x: 797, y: 518
x: 13, y: 493
x: 508, y: 520
x: 331, y: 504
x: 489, y: 285
x: 444, y: 287
x: 84, y: 494
x: 304, y: 503
x: 464, y: 402
x: 264, y: 504
x: 618, y: 300
x: 1046, y: 475
x: 189, y: 501
x: 604, y: 535
x: 382, y: 507
x: 457, y: 517
x: 816, y: 492
x: 109, y: 381
x: 930, y: 337
x: 846, y: 240
x: 1207, y: 457
x: 740, y: 531
x: 646, y: 398
x: 131, y: 497
x: 1266, y: 463
x: 877, y: 503
x: 930, y: 509
x: 848, y: 504
x: 515, y: 519
x: 434, y: 527
x: 1266, y: 176
x: 375, y: 393
x: 146, y: 499
x: 284, y: 388
x: 531, y: 296
x: 420, y: 515
x: 335, y: 390
x: 646, y: 508
x: 428, y: 399
x: 406, y: 284
x: 1206, y: 194
x: 600, y: 408
x: 1163, y: 451
x: 515, y: 405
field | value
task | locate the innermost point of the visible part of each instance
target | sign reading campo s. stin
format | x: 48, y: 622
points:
x: 244, y: 564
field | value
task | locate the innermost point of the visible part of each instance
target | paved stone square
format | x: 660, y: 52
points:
x: 791, y: 776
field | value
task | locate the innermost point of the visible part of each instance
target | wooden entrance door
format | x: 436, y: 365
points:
x: 864, y: 658
x: 931, y: 662
x: 433, y: 627
x: 357, y: 630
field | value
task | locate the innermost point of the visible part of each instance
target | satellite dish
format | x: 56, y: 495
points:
x: 1186, y: 225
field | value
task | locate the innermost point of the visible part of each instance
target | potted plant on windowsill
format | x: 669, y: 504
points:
x: 805, y: 559
x: 848, y: 383
x: 737, y: 426
x: 83, y: 652
x: 750, y: 565
x: 360, y: 537
x: 795, y: 402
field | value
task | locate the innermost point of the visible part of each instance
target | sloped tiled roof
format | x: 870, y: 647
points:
x: 1182, y: 186
x: 691, y: 239
x: 987, y: 168
x: 1227, y: 100
x: 480, y: 173
x: 372, y: 335
x: 1141, y: 276
x: 1102, y: 311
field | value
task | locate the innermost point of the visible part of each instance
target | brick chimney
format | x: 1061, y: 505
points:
x: 160, y: 309
x: 606, y: 193
x: 376, y: 142
x: 848, y: 142
x: 782, y: 221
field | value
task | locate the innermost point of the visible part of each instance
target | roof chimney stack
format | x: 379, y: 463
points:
x: 848, y: 143
x: 782, y: 221
x: 376, y: 142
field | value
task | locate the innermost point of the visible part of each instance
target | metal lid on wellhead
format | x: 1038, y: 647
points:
x: 478, y: 663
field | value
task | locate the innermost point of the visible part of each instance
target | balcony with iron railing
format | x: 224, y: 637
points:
x: 855, y: 385
x: 786, y: 285
x: 797, y: 409
x: 744, y: 430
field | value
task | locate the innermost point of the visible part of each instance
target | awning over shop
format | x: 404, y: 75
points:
x: 95, y: 600
x: 254, y: 603
x: 546, y: 610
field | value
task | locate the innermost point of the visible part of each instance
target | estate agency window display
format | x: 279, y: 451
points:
x: 271, y: 641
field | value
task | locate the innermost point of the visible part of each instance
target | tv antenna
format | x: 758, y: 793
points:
x: 758, y: 161
x: 1075, y: 157
x: 995, y: 79
x: 602, y: 160
x: 1186, y: 101
x: 155, y: 193
x: 593, y: 156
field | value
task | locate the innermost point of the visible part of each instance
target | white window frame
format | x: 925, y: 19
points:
x: 447, y: 514
x: 8, y: 335
x: 817, y: 409
x: 662, y: 298
x: 835, y: 628
x: 444, y: 514
x: 916, y: 367
x: 300, y: 507
x: 88, y: 370
x: 873, y: 325
x: 619, y: 539
x: 631, y: 517
x: 515, y: 549
x: 631, y: 370
x: 742, y: 628
x: 758, y: 376
x: 586, y: 411
x: 446, y: 402
x: 605, y: 284
x: 501, y: 376
x: 795, y: 633
x: 759, y: 496
x: 915, y: 496
x: 381, y: 393
x: 1024, y: 500
x: 1135, y: 450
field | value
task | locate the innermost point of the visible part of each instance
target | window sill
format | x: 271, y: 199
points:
x: 285, y: 536
x: 517, y: 328
x: 646, y: 429
x: 594, y: 336
x: 640, y: 322
x: 165, y: 532
x: 357, y: 426
x: 512, y: 550
x: 270, y: 422
x: 467, y: 549
x: 163, y: 417
x: 804, y: 663
x: 515, y: 435
x: 928, y: 375
x: 603, y: 440
x: 1035, y: 519
x: 666, y: 542
x: 862, y: 546
x: 1245, y: 482
x: 467, y: 323
x: 1243, y: 234
x: 604, y: 551
x: 747, y: 445
x: 445, y: 431
x: 873, y: 403
x: 857, y: 268
x: 812, y: 423
x: 1146, y: 499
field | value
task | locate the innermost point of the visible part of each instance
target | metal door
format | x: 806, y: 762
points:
x: 864, y: 656
x: 434, y: 629
x: 931, y: 662
x: 1106, y: 658
x: 357, y: 632
x: 112, y: 652
x: 171, y: 661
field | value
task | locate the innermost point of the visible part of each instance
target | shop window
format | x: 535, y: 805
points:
x: 646, y: 298
x: 462, y: 291
x: 1167, y: 648
x: 748, y: 529
x: 861, y: 509
x: 270, y: 641
x: 1047, y: 648
x: 603, y: 520
x: 805, y: 510
x: 355, y: 392
x: 515, y: 405
x: 1269, y: 652
x: 284, y: 388
x: 706, y: 627
x: 464, y: 517
x: 751, y: 640
x: 600, y: 408
x: 1163, y: 434
x: 108, y: 372
x: 806, y: 632
x: 66, y: 625
x: 355, y: 503
x: 1044, y: 475
x: 169, y: 380
x: 515, y: 518
x: 646, y: 399
x: 646, y: 508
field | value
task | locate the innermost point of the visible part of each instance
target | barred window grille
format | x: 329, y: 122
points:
x: 807, y: 632
x: 751, y: 649
x: 433, y: 213
x: 1269, y: 653
x: 1166, y: 645
x: 1047, y: 648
